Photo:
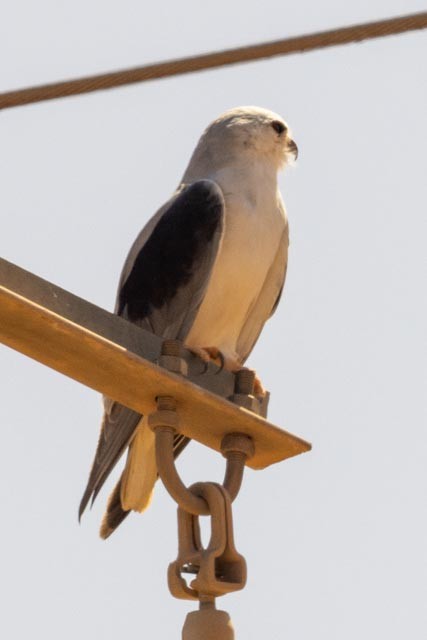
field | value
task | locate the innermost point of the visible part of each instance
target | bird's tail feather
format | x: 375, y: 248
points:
x: 140, y: 473
x: 114, y: 514
x: 134, y: 490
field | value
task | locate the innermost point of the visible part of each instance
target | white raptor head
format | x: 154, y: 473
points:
x: 244, y: 134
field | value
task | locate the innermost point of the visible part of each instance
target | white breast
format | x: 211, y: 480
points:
x: 254, y: 223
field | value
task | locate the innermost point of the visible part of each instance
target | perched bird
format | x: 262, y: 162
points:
x: 207, y: 269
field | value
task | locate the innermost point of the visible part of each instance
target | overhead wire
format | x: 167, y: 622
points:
x: 287, y: 46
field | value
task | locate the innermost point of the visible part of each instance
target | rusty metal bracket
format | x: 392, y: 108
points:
x: 236, y: 448
x: 219, y: 568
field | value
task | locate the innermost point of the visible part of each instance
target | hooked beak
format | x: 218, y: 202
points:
x: 292, y: 148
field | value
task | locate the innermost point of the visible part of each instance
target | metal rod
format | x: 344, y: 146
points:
x: 234, y: 473
x: 169, y: 475
x: 237, y: 448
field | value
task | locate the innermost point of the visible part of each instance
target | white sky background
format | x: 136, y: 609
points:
x: 335, y: 540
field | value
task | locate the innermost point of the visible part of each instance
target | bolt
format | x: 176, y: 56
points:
x: 171, y: 357
x: 171, y: 348
x: 166, y: 403
x: 244, y: 381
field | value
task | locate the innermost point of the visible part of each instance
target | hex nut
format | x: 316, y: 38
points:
x: 163, y: 418
x: 237, y: 443
x: 247, y: 401
x: 175, y: 364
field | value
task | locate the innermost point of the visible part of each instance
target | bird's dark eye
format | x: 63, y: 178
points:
x: 278, y: 126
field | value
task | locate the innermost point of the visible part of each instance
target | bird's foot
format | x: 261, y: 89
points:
x: 215, y: 355
x: 259, y: 388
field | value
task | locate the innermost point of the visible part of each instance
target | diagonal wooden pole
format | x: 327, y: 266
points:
x: 297, y: 44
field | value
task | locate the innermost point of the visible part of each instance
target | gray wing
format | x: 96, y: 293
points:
x: 267, y: 301
x: 162, y: 286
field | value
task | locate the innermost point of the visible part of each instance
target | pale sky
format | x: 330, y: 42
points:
x: 335, y: 540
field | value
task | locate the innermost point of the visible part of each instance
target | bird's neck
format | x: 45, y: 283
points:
x: 251, y: 178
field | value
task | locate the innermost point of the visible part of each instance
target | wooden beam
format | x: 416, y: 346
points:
x: 118, y: 359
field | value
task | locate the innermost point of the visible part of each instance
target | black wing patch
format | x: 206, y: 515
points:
x: 167, y: 260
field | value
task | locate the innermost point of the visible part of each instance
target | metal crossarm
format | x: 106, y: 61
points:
x: 119, y: 360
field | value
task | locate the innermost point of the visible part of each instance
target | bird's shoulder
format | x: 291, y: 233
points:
x: 202, y: 195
